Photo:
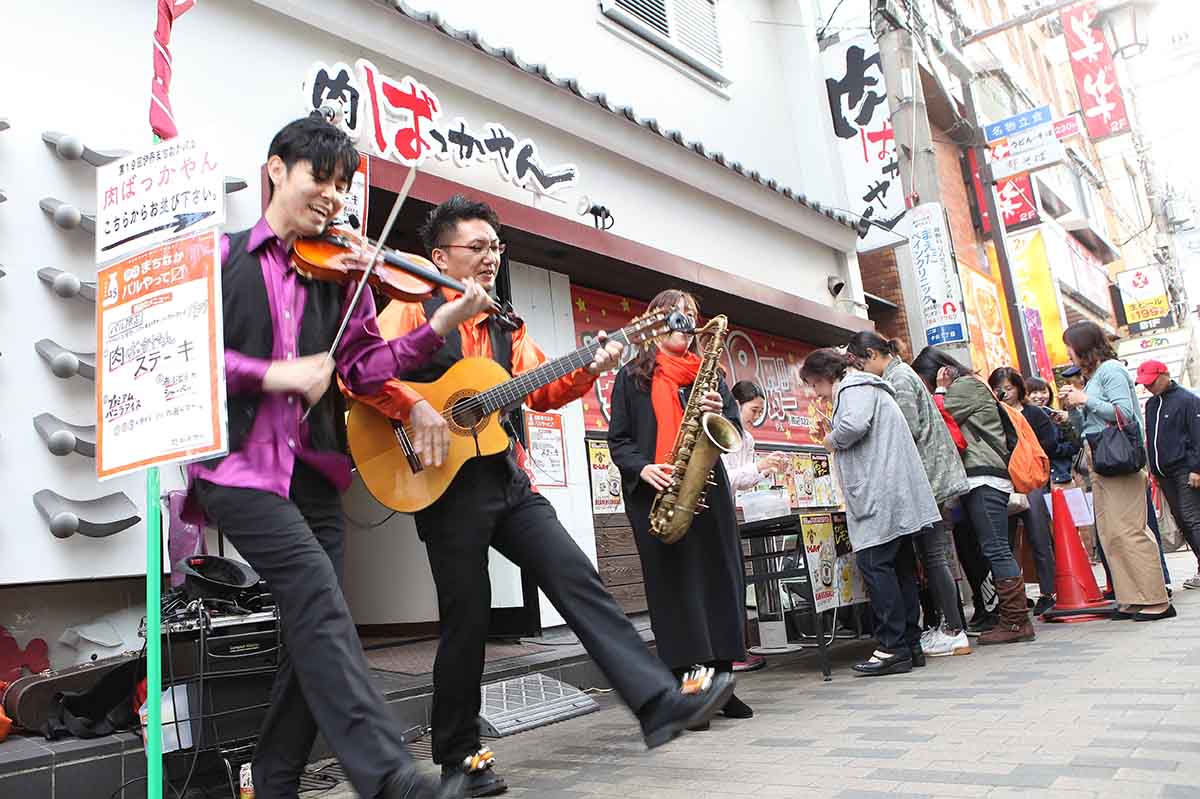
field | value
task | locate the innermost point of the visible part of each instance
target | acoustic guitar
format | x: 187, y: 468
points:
x: 471, y: 395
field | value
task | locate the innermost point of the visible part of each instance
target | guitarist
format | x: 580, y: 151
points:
x: 276, y: 495
x: 490, y: 503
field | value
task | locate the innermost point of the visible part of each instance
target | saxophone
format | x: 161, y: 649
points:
x: 701, y: 438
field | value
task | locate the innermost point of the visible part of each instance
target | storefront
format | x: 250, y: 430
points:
x: 479, y: 120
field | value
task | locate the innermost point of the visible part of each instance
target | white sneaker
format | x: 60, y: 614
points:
x: 1192, y: 582
x: 943, y: 644
x: 927, y: 637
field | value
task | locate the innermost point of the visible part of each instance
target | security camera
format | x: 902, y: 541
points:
x: 835, y: 285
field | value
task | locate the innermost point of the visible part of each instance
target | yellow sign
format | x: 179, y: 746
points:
x: 1036, y: 289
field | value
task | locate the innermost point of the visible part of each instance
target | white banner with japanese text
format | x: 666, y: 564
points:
x: 156, y: 194
x: 937, y: 276
x: 865, y: 141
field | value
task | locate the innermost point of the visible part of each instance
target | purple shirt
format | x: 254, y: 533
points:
x: 365, y: 361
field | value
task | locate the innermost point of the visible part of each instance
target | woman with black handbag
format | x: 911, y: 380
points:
x: 1108, y: 416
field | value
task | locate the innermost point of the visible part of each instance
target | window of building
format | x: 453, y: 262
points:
x: 687, y: 29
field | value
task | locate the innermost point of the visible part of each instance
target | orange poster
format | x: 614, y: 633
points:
x: 991, y: 335
x: 160, y: 366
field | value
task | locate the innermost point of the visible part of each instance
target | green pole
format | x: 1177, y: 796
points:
x: 154, y: 773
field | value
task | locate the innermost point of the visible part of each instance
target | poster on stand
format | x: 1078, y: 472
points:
x: 160, y: 366
x: 606, y: 479
x: 546, y: 449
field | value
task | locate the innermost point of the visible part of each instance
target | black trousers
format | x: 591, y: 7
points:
x: 890, y: 573
x: 1184, y: 502
x: 490, y: 504
x: 1039, y: 536
x: 297, y: 546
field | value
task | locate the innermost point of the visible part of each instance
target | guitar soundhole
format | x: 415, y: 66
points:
x: 465, y: 415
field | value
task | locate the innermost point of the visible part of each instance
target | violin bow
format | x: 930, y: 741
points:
x: 362, y: 283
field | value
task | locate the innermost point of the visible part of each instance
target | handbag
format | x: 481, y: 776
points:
x: 1117, y: 449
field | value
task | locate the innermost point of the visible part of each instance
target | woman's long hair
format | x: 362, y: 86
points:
x: 642, y: 366
x: 930, y: 361
x: 1090, y: 345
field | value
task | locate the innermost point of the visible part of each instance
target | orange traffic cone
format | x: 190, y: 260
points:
x: 1079, y: 598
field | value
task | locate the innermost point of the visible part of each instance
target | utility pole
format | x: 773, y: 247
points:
x: 913, y: 134
x: 1016, y: 314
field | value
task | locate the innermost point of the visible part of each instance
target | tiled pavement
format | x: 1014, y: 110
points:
x: 1102, y: 709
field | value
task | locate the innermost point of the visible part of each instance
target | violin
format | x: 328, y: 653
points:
x: 402, y: 276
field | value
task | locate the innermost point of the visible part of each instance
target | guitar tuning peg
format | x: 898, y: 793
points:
x: 67, y: 285
x: 94, y: 518
x: 64, y: 362
x: 70, y: 148
x: 67, y: 216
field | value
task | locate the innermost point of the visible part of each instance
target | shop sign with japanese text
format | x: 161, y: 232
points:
x: 793, y: 413
x: 865, y: 142
x: 1095, y: 73
x: 1018, y: 123
x: 1144, y: 295
x: 937, y: 276
x: 155, y: 195
x: 402, y: 120
x: 1017, y: 204
x: 160, y: 366
x: 1026, y: 151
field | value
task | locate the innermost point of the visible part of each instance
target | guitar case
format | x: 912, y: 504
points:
x: 30, y: 702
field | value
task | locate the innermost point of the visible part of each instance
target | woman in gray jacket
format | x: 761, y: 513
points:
x: 946, y: 476
x: 887, y: 499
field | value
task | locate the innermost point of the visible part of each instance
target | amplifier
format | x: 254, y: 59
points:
x: 232, y: 644
x: 235, y: 666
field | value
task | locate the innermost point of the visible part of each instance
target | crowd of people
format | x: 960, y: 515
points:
x: 932, y: 455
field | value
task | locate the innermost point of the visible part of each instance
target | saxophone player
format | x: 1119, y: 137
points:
x: 695, y: 586
x: 491, y: 505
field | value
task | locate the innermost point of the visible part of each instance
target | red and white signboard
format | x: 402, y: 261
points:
x: 1095, y: 74
x: 1066, y: 127
x: 1014, y: 198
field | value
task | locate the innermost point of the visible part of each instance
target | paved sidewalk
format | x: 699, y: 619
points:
x: 1102, y: 709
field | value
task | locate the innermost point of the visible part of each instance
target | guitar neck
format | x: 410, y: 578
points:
x: 513, y: 392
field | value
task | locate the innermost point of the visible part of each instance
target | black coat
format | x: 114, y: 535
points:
x: 1173, y: 431
x: 695, y: 588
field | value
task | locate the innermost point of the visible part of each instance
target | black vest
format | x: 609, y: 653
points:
x: 248, y: 330
x: 451, y: 352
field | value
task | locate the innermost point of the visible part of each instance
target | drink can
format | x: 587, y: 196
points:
x: 247, y: 783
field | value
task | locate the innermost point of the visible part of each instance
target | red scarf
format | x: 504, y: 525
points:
x: 671, y: 373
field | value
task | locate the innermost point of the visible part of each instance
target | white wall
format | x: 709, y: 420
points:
x: 745, y: 120
x: 238, y: 69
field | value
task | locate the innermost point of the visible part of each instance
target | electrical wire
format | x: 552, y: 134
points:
x: 828, y: 20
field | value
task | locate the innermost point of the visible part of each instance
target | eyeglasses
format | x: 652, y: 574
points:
x: 478, y: 247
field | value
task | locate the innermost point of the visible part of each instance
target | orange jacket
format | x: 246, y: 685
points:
x: 399, y: 318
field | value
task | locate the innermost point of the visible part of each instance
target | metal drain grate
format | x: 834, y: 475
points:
x: 523, y: 703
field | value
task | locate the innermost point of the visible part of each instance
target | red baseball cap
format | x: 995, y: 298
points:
x: 1149, y: 371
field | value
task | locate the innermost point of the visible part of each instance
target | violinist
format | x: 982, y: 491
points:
x: 491, y: 504
x: 276, y: 494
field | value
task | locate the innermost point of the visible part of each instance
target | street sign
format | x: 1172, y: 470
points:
x: 1017, y: 123
x: 1026, y: 151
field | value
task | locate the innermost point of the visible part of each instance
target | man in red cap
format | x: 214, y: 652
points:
x: 1173, y: 447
